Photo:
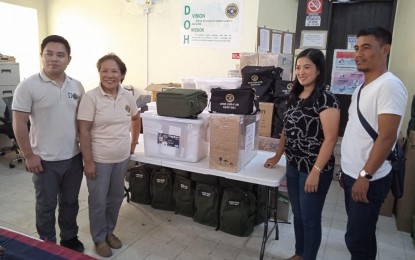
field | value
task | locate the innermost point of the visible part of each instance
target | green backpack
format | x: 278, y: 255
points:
x: 184, y: 196
x: 182, y: 103
x: 162, y: 189
x: 238, y: 212
x: 139, y: 177
x: 207, y: 204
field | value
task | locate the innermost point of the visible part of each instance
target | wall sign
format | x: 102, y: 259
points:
x: 313, y: 11
x: 211, y: 24
x: 344, y: 77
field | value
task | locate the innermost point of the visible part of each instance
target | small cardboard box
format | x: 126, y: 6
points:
x: 405, y: 208
x: 154, y: 88
x: 7, y: 59
x: 387, y: 206
x: 268, y: 143
x: 265, y: 124
x: 233, y: 141
x: 284, y: 211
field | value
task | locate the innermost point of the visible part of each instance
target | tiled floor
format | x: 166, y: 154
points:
x: 154, y: 234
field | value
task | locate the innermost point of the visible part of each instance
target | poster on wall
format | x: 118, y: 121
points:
x: 344, y: 76
x: 211, y: 24
x: 313, y: 13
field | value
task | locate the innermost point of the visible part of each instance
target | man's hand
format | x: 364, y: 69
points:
x: 359, y: 190
x: 33, y: 163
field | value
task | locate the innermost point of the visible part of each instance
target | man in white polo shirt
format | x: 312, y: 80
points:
x: 50, y: 100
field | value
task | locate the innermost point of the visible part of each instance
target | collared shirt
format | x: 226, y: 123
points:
x: 111, y: 118
x: 52, y: 109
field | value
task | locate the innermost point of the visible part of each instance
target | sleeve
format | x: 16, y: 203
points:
x: 392, y: 98
x: 86, y: 109
x: 22, y: 98
x: 328, y: 100
x: 133, y: 104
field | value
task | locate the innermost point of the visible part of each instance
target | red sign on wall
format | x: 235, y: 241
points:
x: 314, y: 6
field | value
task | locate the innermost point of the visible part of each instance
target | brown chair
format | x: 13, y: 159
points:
x: 7, y: 129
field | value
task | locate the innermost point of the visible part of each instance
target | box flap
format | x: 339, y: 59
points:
x: 161, y: 86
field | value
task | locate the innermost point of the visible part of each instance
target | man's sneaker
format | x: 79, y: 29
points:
x: 103, y: 249
x: 73, y: 244
x: 114, y: 242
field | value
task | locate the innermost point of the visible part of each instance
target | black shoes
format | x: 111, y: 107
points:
x: 73, y: 244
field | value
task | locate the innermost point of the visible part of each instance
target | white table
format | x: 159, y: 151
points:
x: 253, y: 172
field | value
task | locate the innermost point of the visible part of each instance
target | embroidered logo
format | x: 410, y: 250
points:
x: 254, y: 77
x: 73, y: 95
x: 127, y: 108
x: 229, y: 98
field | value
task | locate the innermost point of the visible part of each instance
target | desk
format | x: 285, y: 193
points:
x: 254, y: 172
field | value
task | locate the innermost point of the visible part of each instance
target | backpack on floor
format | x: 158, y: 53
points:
x: 162, y: 189
x: 184, y: 196
x: 207, y: 204
x: 238, y: 212
x: 139, y: 183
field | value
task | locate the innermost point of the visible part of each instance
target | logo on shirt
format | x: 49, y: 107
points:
x: 73, y: 95
x: 127, y: 108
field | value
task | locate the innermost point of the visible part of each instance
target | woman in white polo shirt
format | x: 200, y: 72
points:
x: 105, y: 116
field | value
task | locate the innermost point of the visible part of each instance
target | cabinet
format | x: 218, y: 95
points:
x: 9, y: 79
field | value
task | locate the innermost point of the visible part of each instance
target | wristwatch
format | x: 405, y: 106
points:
x: 363, y: 173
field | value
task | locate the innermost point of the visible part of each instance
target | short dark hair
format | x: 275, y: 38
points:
x: 317, y: 57
x: 112, y: 56
x: 382, y: 35
x: 55, y: 38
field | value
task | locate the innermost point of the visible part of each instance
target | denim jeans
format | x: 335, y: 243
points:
x: 307, y: 209
x: 362, y: 217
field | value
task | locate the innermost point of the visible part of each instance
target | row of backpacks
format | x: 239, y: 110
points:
x: 231, y: 206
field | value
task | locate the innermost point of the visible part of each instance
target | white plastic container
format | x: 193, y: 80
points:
x: 188, y: 83
x: 175, y: 138
x: 207, y: 84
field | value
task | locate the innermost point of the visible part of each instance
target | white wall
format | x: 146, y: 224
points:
x: 402, y: 59
x: 96, y: 27
x: 279, y: 15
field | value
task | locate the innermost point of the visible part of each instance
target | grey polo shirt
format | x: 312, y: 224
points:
x: 52, y: 109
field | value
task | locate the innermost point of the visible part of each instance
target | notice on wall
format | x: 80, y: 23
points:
x: 211, y: 24
x: 344, y: 77
x: 313, y: 13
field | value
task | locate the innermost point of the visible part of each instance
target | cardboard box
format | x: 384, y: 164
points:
x: 283, y: 207
x: 282, y: 60
x: 265, y: 123
x: 268, y: 143
x: 233, y: 141
x: 387, y: 206
x: 7, y: 59
x: 154, y: 88
x: 406, y: 205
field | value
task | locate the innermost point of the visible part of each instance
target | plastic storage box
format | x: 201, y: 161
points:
x: 175, y: 138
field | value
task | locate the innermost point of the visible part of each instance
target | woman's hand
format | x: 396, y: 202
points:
x: 271, y: 162
x: 311, y: 184
x: 90, y: 170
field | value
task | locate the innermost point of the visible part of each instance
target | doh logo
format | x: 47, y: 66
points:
x: 231, y: 10
x: 229, y: 98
